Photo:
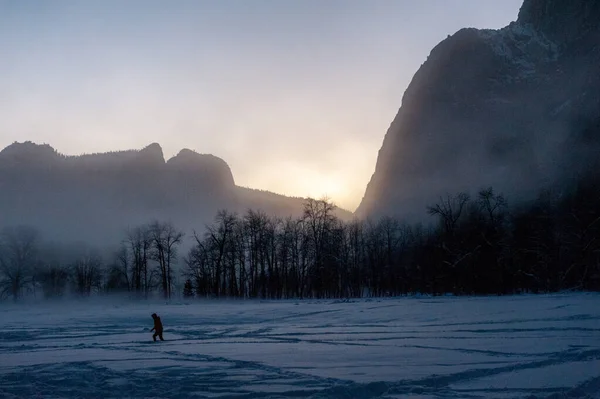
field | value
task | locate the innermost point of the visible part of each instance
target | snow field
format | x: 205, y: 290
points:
x: 417, y: 347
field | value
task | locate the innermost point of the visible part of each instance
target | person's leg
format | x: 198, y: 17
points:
x: 160, y: 336
x: 154, y: 336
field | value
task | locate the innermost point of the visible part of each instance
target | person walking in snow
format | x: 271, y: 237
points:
x: 158, y: 327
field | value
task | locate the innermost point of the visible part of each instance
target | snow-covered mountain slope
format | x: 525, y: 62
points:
x: 441, y: 347
x: 516, y: 108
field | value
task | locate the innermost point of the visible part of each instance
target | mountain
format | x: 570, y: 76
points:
x: 517, y: 109
x: 95, y: 197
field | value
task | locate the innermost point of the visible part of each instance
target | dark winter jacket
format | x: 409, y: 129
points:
x: 157, y: 324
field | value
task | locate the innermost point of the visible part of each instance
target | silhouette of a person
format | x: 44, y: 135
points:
x: 158, y: 327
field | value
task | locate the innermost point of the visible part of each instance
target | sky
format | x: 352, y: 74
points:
x: 296, y: 96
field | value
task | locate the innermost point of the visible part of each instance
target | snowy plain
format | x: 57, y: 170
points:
x: 418, y: 347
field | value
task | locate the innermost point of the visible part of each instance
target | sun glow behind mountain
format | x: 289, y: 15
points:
x: 295, y: 96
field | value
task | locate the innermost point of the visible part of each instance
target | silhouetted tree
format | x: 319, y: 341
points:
x: 139, y: 243
x: 117, y: 278
x: 87, y: 272
x: 219, y: 242
x: 165, y: 238
x: 476, y: 245
x: 188, y: 289
x: 18, y: 259
x: 319, y: 218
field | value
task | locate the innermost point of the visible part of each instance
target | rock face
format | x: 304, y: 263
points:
x: 516, y: 108
x: 96, y: 197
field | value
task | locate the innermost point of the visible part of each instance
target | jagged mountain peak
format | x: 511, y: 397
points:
x: 29, y: 152
x: 562, y: 21
x: 503, y: 108
x: 191, y: 161
x: 95, y: 197
x: 192, y: 158
x: 189, y: 155
x: 150, y: 156
x: 153, y: 150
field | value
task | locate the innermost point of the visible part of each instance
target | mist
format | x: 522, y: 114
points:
x: 483, y: 112
x: 178, y: 181
x: 276, y: 90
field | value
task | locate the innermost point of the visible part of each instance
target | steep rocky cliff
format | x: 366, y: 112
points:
x: 516, y: 108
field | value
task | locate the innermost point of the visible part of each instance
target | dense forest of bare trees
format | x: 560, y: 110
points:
x: 476, y: 245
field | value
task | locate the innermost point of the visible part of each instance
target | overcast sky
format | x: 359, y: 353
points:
x: 295, y: 96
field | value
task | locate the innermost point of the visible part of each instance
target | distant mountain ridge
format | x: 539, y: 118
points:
x: 95, y: 197
x: 516, y: 108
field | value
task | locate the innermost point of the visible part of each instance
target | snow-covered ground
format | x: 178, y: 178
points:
x: 527, y: 346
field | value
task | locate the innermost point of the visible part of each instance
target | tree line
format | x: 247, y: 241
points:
x: 475, y: 245
x: 143, y: 264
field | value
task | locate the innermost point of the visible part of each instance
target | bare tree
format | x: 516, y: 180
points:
x: 165, y: 238
x: 87, y: 272
x: 118, y: 271
x: 53, y: 279
x: 53, y: 272
x: 449, y: 209
x: 139, y: 242
x: 219, y: 238
x: 493, y: 205
x: 198, y: 267
x: 18, y: 259
x: 319, y: 216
